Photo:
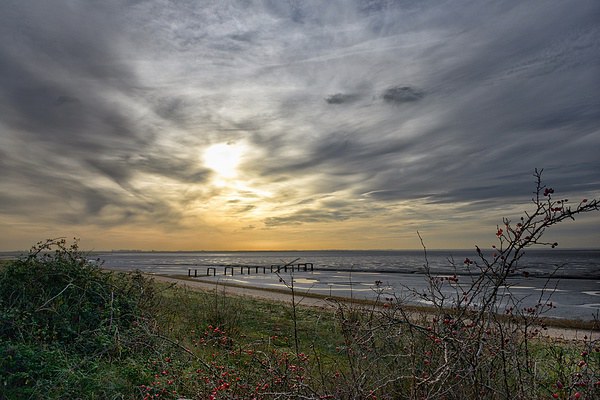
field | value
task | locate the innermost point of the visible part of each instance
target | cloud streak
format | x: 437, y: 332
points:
x: 345, y: 115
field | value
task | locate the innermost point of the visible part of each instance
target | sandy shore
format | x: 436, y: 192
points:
x: 307, y: 301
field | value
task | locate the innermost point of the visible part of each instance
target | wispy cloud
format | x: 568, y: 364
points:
x: 380, y: 107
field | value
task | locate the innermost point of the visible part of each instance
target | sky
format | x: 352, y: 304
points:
x: 290, y: 124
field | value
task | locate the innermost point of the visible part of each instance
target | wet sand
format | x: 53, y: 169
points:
x: 573, y: 299
x: 224, y: 285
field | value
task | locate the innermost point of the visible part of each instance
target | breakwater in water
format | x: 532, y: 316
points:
x: 570, y: 277
x: 574, y: 264
x: 248, y: 269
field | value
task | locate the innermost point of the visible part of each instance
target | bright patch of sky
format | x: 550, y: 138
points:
x: 293, y: 124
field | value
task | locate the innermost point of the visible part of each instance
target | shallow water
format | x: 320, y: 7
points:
x: 583, y: 264
x: 354, y: 273
x: 569, y: 298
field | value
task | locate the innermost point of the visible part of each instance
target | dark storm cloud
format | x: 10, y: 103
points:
x: 172, y: 109
x: 341, y: 98
x: 402, y: 94
x: 48, y: 68
x: 57, y: 77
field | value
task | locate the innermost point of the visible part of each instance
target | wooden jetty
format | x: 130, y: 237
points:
x: 249, y: 269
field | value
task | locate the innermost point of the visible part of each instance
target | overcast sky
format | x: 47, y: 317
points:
x: 290, y: 124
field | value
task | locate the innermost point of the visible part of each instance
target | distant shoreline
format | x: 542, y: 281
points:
x: 463, y: 250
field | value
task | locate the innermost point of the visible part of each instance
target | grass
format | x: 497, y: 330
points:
x: 257, y: 327
x: 253, y: 320
x: 205, y: 344
x: 249, y: 339
x: 71, y: 330
x: 561, y: 323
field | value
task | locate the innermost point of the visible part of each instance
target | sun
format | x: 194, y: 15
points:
x: 223, y: 158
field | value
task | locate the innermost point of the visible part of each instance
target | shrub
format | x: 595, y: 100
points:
x: 55, y: 295
x: 477, y: 340
x: 63, y: 320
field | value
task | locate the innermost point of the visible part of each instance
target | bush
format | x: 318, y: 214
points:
x: 476, y: 340
x: 56, y: 296
x: 63, y: 320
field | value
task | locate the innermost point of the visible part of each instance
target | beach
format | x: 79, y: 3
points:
x: 567, y: 280
x: 278, y: 292
x: 566, y: 298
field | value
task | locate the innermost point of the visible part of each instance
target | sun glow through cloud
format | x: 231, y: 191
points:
x: 223, y: 159
x: 346, y: 124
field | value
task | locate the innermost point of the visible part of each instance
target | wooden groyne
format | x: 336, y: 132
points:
x: 250, y: 269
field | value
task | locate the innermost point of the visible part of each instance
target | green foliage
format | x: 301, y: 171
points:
x: 34, y: 371
x: 24, y: 367
x: 203, y: 344
x: 63, y: 319
x: 55, y: 295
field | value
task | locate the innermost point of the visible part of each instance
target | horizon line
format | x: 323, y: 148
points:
x: 541, y: 247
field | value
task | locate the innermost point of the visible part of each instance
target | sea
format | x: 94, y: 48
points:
x: 566, y: 264
x: 570, y: 279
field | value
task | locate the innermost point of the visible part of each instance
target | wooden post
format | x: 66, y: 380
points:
x: 226, y: 268
x: 189, y: 272
x: 195, y: 273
